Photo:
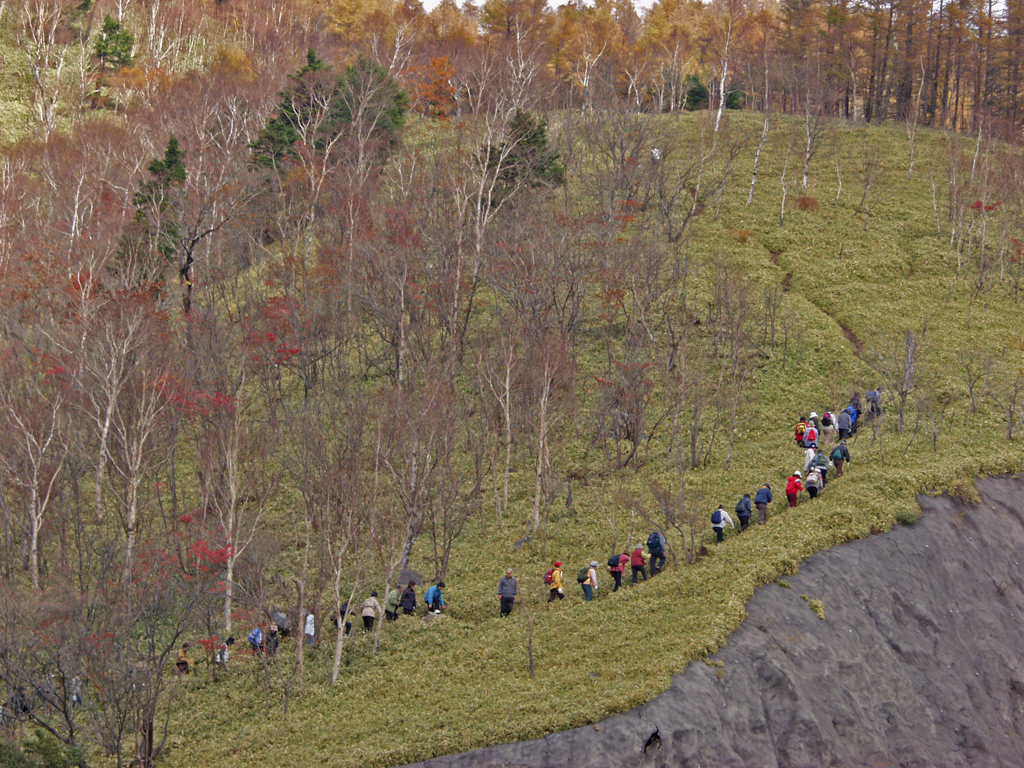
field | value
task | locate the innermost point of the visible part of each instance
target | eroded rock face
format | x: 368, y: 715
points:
x: 919, y: 661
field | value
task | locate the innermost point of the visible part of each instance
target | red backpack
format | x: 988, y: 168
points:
x: 549, y: 576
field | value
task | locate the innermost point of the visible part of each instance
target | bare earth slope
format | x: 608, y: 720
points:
x: 919, y: 661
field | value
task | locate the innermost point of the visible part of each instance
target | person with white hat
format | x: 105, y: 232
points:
x: 793, y: 487
x: 591, y: 583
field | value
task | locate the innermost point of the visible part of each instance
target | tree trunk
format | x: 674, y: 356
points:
x: 229, y: 583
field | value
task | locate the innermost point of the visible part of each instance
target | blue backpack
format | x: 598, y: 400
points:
x: 716, y: 517
x: 654, y: 544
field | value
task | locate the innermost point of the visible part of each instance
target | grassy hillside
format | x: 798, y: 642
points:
x: 853, y: 284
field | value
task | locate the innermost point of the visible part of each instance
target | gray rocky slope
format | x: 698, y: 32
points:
x: 919, y: 661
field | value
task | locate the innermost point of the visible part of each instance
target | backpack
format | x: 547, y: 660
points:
x: 739, y: 510
x: 800, y: 429
x: 613, y: 561
x: 813, y: 480
x: 583, y: 576
x: 654, y: 544
x: 837, y: 454
x: 874, y: 396
x: 820, y: 460
x: 826, y: 420
x: 549, y: 576
x: 716, y: 517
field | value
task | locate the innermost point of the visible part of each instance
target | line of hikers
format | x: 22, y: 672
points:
x: 811, y: 433
x: 816, y: 464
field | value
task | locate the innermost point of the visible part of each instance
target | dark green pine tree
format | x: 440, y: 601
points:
x: 527, y: 157
x: 154, y: 199
x: 276, y: 141
x: 114, y: 45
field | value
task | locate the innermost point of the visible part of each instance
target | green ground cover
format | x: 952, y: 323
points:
x: 464, y: 681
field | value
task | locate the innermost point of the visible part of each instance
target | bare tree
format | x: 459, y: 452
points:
x: 238, y: 479
x: 32, y: 413
x: 1006, y: 388
x: 896, y: 361
x: 414, y: 430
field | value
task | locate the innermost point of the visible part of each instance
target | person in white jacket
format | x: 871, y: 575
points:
x: 719, y: 519
x: 809, y: 455
x: 310, y: 628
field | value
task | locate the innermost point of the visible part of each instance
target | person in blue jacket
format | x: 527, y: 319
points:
x: 434, y: 599
x: 762, y: 499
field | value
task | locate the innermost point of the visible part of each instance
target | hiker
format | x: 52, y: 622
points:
x: 184, y: 662
x: 345, y: 616
x: 310, y: 629
x: 719, y: 519
x: 554, y: 580
x: 220, y: 658
x: 809, y: 456
x: 811, y: 435
x: 762, y: 499
x: 828, y: 427
x: 874, y: 398
x: 840, y: 454
x: 408, y: 600
x: 793, y: 487
x: 856, y: 409
x: 616, y: 565
x: 637, y: 562
x: 19, y: 704
x: 813, y: 419
x: 800, y: 430
x: 844, y: 422
x: 370, y: 611
x: 391, y: 604
x: 813, y: 483
x: 656, y: 548
x: 743, y: 511
x: 434, y: 599
x: 821, y: 465
x: 856, y: 405
x: 272, y: 641
x: 256, y: 640
x: 507, y: 591
x: 590, y: 584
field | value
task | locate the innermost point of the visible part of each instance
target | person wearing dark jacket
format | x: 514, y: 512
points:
x: 743, y: 511
x: 762, y: 499
x: 840, y: 455
x: 617, y: 570
x: 821, y: 465
x: 656, y: 549
x: 273, y: 641
x: 408, y: 601
x: 508, y: 588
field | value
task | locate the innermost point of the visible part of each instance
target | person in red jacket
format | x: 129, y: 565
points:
x: 793, y: 487
x: 637, y: 562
